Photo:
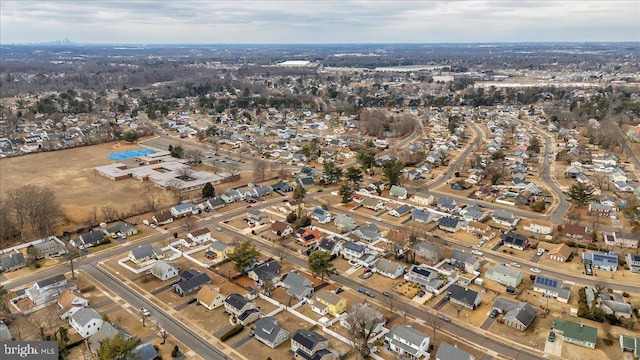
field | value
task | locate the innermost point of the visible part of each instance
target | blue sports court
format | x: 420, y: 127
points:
x: 130, y: 154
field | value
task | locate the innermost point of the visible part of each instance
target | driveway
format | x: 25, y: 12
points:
x: 554, y: 348
x: 485, y: 325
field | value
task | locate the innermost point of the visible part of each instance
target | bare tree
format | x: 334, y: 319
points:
x: 601, y: 178
x: 233, y: 168
x: 188, y: 224
x: 7, y: 227
x: 185, y: 173
x: 174, y: 187
x: 72, y: 254
x: 193, y: 156
x: 458, y: 308
x: 36, y: 206
x: 152, y: 200
x: 43, y: 320
x: 267, y: 287
x: 162, y: 333
x: 259, y: 170
x: 435, y: 322
x: 282, y: 252
x: 18, y: 327
x: 362, y: 321
x: 109, y: 213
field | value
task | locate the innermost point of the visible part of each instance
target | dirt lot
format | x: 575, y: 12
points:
x: 70, y: 174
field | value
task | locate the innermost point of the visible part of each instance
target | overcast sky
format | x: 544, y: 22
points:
x: 317, y: 21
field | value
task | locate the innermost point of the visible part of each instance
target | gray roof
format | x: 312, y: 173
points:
x: 92, y: 237
x: 107, y: 331
x: 618, y: 307
x: 387, y: 266
x: 219, y: 245
x: 463, y: 295
x: 298, y: 285
x: 307, y: 338
x: 145, y: 251
x: 407, y: 333
x: 161, y: 266
x: 268, y: 270
x: 5, y: 334
x: 463, y: 257
x: 51, y: 280
x: 12, y: 260
x: 236, y: 301
x: 501, y: 269
x: 523, y: 313
x: 195, y: 282
x: 267, y: 329
x: 144, y: 351
x: 448, y: 352
x: 84, y: 315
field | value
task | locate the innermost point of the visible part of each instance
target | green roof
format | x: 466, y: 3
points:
x: 630, y: 343
x: 576, y: 331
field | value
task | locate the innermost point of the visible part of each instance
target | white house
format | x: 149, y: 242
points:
x: 199, y: 236
x: 184, y: 210
x: 164, y: 270
x: 210, y: 297
x: 398, y: 191
x: 86, y: 321
x: 389, y: 268
x: 405, y: 340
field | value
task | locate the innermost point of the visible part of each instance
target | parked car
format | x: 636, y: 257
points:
x: 535, y: 270
x: 367, y: 275
x: 493, y: 314
x: 192, y: 300
x: 337, y: 291
x: 476, y: 252
x: 515, y: 264
x: 218, y: 228
x: 421, y: 293
x: 511, y: 290
x: 444, y: 318
x: 145, y: 312
x: 540, y: 251
x: 369, y: 293
x: 386, y: 294
x: 361, y: 290
x: 551, y: 337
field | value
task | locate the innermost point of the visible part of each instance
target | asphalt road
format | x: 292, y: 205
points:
x: 189, y: 338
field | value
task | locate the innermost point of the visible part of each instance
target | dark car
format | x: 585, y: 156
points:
x: 337, y: 291
x: 493, y: 313
x: 551, y: 337
x: 421, y: 293
x: 511, y: 290
x: 362, y: 290
x: 191, y: 300
x: 369, y: 293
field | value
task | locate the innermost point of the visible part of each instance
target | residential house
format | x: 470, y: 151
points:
x: 164, y: 270
x: 633, y: 260
x: 259, y: 191
x: 69, y: 302
x: 630, y: 343
x: 192, y: 284
x: 464, y: 261
x: 5, y: 333
x: 210, y: 297
x: 449, y: 224
x: 144, y: 351
x: 107, y: 331
x: 556, y: 252
x: 282, y: 187
x: 398, y: 191
x: 281, y: 228
x: 255, y: 216
x: 389, y: 268
x: 182, y: 210
x: 514, y: 241
x: 122, y: 227
x: 449, y: 352
x: 428, y: 251
x: 367, y: 232
x: 308, y: 236
x: 325, y: 301
x: 145, y: 253
x: 219, y: 250
x: 552, y: 287
x: 233, y: 195
x: 46, y: 290
x: 539, y: 227
x: 320, y: 215
x: 373, y: 319
x: 408, y: 342
x: 422, y: 216
x: 463, y: 296
x: 473, y: 213
x: 600, y: 260
x: 199, y: 236
x: 332, y: 246
x: 446, y: 204
x: 11, y: 262
x: 615, y: 240
x: 372, y: 203
x: 353, y: 251
x: 483, y: 231
x: 422, y: 198
x: 344, y: 223
x: 617, y: 308
x: 51, y: 248
x: 86, y: 321
x: 267, y: 271
x: 236, y: 304
x: 248, y: 317
x: 400, y: 210
x: 162, y: 218
x: 309, y: 345
x: 92, y: 238
x: 267, y: 331
x: 306, y: 182
x: 505, y: 218
x: 518, y: 315
x: 297, y: 285
x: 579, y: 334
x: 504, y: 275
x: 599, y: 209
x: 421, y: 275
x: 215, y: 203
x: 576, y: 232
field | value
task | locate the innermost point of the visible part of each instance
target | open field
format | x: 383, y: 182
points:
x: 69, y: 173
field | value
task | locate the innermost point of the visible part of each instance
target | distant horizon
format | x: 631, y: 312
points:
x: 318, y: 21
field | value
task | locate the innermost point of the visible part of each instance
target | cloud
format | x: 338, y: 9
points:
x: 347, y: 21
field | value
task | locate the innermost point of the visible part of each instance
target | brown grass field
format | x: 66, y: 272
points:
x: 69, y: 173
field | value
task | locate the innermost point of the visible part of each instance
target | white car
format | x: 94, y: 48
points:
x: 476, y: 252
x: 515, y: 264
x: 145, y: 312
x: 535, y: 270
x: 218, y: 228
